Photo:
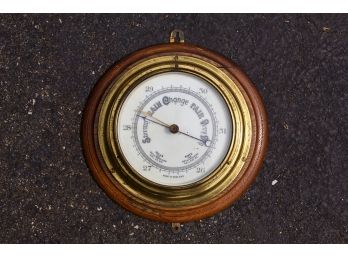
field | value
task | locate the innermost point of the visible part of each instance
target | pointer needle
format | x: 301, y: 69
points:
x: 173, y: 128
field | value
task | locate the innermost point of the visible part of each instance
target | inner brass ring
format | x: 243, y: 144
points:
x: 160, y: 196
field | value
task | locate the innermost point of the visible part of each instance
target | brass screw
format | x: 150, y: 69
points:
x: 176, y: 227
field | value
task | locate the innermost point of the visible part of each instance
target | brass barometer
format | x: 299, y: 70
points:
x: 174, y: 132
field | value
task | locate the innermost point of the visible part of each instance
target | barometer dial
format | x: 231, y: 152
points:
x: 174, y: 128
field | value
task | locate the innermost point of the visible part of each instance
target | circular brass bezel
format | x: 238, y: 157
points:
x: 166, y: 197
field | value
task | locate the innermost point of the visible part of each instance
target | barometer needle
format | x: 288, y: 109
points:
x: 157, y: 121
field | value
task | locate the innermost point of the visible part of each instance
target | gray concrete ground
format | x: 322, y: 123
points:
x: 49, y: 64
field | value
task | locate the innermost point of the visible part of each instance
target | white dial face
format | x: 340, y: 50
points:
x: 174, y: 128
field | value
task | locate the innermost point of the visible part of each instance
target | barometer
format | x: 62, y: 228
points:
x: 174, y: 132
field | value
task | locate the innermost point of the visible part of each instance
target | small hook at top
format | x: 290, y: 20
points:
x: 177, y: 36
